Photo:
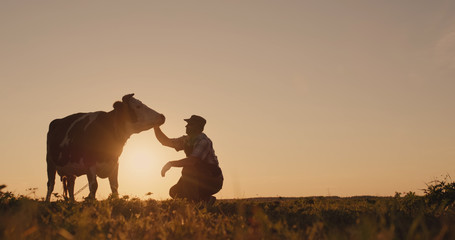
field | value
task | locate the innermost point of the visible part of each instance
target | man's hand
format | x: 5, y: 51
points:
x: 166, y: 168
x: 162, y: 120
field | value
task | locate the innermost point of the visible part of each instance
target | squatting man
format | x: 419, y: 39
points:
x: 201, y: 174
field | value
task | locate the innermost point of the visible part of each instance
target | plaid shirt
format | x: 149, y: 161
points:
x: 202, y: 147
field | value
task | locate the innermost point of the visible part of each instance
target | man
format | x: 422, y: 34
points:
x: 201, y: 175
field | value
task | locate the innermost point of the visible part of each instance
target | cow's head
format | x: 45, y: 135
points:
x: 138, y: 116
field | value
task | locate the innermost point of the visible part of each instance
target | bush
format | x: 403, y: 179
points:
x: 440, y: 192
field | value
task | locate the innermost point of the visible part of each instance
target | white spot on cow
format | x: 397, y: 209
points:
x: 91, y: 116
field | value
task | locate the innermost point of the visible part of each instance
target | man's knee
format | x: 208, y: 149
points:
x: 173, y: 192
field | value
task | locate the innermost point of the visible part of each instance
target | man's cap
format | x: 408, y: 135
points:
x: 195, y: 119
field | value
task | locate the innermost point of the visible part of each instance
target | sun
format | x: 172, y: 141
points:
x: 138, y: 159
x: 140, y: 167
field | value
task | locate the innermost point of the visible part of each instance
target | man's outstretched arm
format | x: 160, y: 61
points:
x: 188, y: 161
x: 162, y: 138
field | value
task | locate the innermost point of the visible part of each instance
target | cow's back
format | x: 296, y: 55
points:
x: 61, y: 135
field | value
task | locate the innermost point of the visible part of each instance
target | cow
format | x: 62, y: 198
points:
x: 91, y: 143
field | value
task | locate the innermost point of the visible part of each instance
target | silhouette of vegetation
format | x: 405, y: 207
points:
x: 399, y: 217
x: 440, y: 192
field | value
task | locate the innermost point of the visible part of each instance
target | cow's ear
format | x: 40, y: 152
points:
x: 118, y: 105
x: 126, y: 98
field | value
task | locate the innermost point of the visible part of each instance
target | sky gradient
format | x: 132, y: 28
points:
x: 302, y: 98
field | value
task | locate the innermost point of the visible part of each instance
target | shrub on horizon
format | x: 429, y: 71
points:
x: 440, y: 192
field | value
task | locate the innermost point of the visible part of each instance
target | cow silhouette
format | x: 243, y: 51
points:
x: 91, y: 143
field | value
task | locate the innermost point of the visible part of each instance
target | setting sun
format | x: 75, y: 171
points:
x: 138, y: 160
x: 140, y: 165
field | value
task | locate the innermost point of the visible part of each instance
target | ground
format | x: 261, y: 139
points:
x: 368, y: 217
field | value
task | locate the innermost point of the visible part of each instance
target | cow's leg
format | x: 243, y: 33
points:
x: 113, y: 181
x: 70, y: 181
x: 50, y: 180
x: 65, y: 186
x: 92, y: 183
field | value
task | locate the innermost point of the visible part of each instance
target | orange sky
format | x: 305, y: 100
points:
x: 302, y: 98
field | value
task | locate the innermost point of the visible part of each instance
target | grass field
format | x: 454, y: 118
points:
x: 404, y: 216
